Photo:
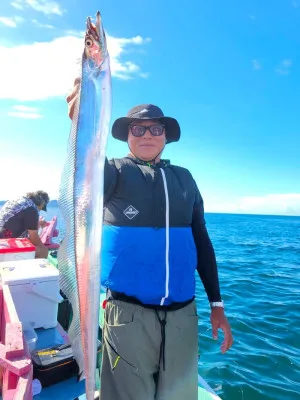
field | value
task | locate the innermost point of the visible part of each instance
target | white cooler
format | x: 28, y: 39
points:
x: 35, y: 291
x: 16, y: 249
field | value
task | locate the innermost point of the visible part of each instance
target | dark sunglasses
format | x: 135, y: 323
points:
x: 140, y: 130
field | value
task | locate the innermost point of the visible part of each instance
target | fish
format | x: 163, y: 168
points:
x: 81, y: 200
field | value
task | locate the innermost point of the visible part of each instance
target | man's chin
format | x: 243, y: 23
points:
x: 149, y: 153
x: 147, y: 156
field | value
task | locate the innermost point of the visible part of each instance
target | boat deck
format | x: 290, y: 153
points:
x: 71, y: 389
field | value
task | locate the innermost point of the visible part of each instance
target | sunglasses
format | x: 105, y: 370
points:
x: 140, y: 130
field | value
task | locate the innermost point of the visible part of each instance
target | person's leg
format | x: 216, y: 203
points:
x: 180, y: 379
x: 130, y: 352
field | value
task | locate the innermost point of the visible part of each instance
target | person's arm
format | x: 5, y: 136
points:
x: 41, y: 251
x: 207, y: 265
x: 42, y: 223
x: 33, y: 236
x: 208, y: 272
x: 72, y: 98
x: 110, y: 179
x: 31, y: 223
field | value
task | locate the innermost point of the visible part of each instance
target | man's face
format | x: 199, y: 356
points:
x: 147, y: 146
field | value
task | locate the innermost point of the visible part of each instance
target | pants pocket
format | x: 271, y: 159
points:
x: 115, y: 357
x: 118, y: 313
x: 120, y: 333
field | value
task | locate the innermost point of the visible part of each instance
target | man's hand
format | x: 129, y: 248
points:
x: 219, y: 321
x: 73, y: 97
x: 43, y: 223
x: 41, y: 251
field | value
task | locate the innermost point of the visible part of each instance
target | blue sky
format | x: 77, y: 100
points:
x: 228, y: 71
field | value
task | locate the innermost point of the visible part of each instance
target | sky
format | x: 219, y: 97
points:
x: 228, y: 71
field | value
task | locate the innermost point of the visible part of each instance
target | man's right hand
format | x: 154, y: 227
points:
x: 72, y: 98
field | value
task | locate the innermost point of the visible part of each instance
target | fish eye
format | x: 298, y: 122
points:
x: 88, y: 42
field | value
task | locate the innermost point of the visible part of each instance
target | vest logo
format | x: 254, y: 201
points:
x: 130, y: 212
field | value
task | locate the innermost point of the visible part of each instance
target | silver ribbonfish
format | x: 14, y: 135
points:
x: 81, y: 201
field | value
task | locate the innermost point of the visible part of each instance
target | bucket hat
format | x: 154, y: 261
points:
x: 146, y: 112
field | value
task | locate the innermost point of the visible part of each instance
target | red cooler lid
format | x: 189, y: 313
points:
x: 16, y: 245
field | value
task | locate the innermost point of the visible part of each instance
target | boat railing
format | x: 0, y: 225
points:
x: 15, y: 362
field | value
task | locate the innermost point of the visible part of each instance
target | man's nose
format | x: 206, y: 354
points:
x: 147, y: 134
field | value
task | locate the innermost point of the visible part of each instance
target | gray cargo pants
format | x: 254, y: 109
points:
x: 133, y: 357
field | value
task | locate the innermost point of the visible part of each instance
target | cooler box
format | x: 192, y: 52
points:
x: 16, y: 249
x: 35, y: 291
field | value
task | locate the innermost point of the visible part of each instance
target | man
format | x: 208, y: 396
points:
x: 154, y: 238
x: 21, y: 217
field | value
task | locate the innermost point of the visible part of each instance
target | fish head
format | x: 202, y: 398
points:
x: 95, y: 41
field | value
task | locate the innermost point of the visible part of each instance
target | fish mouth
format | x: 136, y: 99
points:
x: 95, y: 40
x: 99, y: 31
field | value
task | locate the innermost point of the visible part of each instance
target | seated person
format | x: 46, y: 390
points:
x: 20, y: 217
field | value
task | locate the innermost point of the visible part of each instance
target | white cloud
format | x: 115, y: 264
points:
x: 21, y: 111
x: 12, y: 22
x: 23, y: 169
x: 25, y: 108
x: 39, y: 25
x: 49, y: 68
x: 271, y: 204
x: 16, y: 5
x: 72, y: 32
x: 117, y: 46
x: 284, y: 67
x: 24, y: 115
x: 45, y: 6
x: 256, y: 65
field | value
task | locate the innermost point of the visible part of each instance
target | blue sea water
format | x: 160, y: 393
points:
x: 259, y: 270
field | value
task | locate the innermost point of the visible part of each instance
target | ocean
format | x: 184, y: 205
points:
x: 259, y: 269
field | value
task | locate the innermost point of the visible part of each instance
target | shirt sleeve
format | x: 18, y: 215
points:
x: 207, y: 264
x: 110, y: 179
x: 31, y: 219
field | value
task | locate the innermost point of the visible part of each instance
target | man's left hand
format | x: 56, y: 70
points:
x: 219, y: 321
x: 43, y: 223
